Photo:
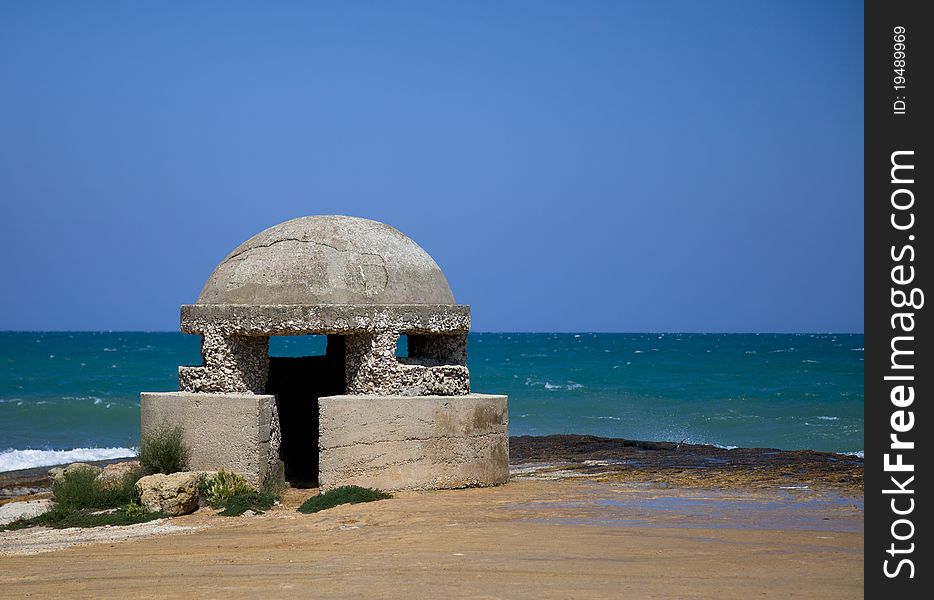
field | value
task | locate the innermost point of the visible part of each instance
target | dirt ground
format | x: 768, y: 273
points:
x: 549, y: 533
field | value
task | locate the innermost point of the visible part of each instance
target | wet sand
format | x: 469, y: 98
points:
x: 576, y: 525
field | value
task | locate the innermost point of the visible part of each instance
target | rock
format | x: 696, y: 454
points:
x: 175, y: 494
x: 114, y: 473
x: 57, y: 473
x: 27, y: 509
x: 248, y: 513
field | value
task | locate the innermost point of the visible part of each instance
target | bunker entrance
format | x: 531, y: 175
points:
x: 302, y: 369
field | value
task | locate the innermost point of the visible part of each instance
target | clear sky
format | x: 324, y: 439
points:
x: 571, y: 166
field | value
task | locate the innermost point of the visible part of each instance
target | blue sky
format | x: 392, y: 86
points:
x: 572, y: 166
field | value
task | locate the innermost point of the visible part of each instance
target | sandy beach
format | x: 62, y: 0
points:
x: 569, y: 528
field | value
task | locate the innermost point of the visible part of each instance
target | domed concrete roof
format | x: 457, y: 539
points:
x: 327, y: 260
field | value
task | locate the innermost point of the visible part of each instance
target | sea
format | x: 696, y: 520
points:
x: 74, y: 396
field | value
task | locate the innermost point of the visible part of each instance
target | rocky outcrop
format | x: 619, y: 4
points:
x: 58, y: 472
x: 175, y: 494
x: 114, y: 474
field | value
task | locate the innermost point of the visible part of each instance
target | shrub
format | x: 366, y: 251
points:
x: 218, y: 490
x: 79, y: 498
x: 235, y: 495
x: 347, y: 494
x: 243, y: 501
x: 164, y: 450
x: 80, y: 489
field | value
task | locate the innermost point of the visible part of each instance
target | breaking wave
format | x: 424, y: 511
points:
x: 13, y: 460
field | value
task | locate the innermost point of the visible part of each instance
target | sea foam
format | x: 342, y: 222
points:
x: 12, y: 460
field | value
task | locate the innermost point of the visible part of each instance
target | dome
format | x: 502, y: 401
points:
x: 327, y: 260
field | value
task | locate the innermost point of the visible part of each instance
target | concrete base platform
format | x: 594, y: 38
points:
x: 234, y: 432
x: 413, y: 442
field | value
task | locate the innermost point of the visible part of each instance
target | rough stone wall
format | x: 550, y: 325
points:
x: 232, y: 363
x: 372, y: 368
x: 235, y: 346
x: 340, y: 319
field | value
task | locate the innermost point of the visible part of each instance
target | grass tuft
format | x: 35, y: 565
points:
x: 241, y: 502
x: 347, y: 494
x: 164, y: 450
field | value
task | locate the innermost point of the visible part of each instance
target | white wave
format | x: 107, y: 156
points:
x: 570, y: 385
x: 810, y: 361
x: 825, y: 418
x: 858, y: 453
x: 860, y: 349
x: 726, y: 447
x: 12, y: 460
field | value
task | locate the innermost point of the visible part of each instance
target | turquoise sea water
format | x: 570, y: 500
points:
x: 70, y: 396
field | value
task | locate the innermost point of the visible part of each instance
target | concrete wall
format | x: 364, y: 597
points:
x: 235, y: 432
x: 413, y: 442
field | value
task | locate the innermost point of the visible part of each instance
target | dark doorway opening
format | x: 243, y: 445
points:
x: 298, y: 382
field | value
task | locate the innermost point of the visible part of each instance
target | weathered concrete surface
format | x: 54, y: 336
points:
x: 405, y: 442
x: 235, y: 346
x: 328, y: 260
x: 235, y: 432
x: 373, y: 369
x: 232, y: 363
x: 279, y: 319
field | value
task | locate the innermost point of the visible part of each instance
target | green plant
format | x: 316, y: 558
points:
x: 243, y: 501
x: 80, y: 489
x: 164, y: 450
x: 235, y: 495
x: 60, y: 518
x: 347, y: 494
x: 219, y: 488
x: 80, y: 499
x: 135, y: 509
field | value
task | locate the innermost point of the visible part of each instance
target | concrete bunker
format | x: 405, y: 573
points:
x: 358, y: 413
